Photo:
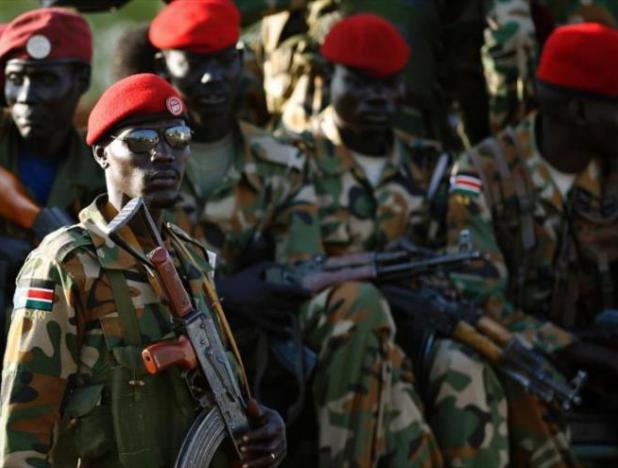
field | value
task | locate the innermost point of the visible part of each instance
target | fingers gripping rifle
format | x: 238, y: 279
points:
x: 18, y: 207
x: 199, y: 348
x: 466, y: 323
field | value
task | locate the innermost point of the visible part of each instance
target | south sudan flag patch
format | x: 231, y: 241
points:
x: 37, y: 295
x: 466, y: 184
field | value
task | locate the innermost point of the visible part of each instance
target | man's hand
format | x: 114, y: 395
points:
x: 249, y: 294
x: 265, y: 445
x: 598, y: 360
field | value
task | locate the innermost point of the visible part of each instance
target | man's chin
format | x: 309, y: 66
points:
x: 161, y: 201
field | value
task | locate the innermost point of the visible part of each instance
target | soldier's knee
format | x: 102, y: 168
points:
x: 362, y: 304
x: 454, y: 367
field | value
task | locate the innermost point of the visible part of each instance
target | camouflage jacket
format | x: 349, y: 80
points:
x: 67, y: 342
x: 263, y: 208
x: 549, y: 255
x: 354, y: 215
x: 78, y: 180
x: 516, y: 30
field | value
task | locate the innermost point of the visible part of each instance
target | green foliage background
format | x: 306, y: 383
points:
x: 106, y: 28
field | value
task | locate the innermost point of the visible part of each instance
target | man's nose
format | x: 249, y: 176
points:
x: 26, y: 94
x: 211, y: 74
x: 162, y: 153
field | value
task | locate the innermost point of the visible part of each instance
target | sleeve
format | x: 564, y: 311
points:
x: 468, y: 209
x: 41, y: 354
x: 486, y: 282
x: 509, y: 56
x: 297, y: 225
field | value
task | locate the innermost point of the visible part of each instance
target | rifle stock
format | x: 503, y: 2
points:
x: 16, y: 205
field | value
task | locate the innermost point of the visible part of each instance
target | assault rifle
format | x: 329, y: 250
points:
x: 456, y: 319
x: 199, y: 350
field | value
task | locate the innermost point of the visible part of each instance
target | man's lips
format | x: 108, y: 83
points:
x: 163, y: 179
x: 211, y: 99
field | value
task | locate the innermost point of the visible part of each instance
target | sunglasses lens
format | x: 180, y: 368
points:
x: 141, y: 141
x: 178, y: 137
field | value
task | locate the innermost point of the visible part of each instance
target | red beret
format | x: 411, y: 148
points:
x: 144, y: 94
x: 47, y: 33
x: 201, y: 26
x: 367, y: 42
x: 581, y: 57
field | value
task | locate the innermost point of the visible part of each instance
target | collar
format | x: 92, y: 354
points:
x: 334, y: 158
x: 111, y: 255
x: 237, y: 170
x: 589, y: 180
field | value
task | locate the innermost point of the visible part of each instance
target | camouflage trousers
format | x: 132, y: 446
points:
x: 367, y: 408
x: 467, y: 408
x: 537, y: 432
x: 481, y: 420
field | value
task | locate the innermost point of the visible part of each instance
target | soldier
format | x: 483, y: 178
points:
x: 516, y: 30
x: 86, y: 305
x: 540, y: 199
x: 247, y: 198
x: 373, y: 186
x: 45, y: 56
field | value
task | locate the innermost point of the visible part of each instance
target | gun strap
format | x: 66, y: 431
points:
x: 126, y: 309
x: 215, y: 303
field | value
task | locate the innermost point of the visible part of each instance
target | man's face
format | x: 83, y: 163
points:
x: 42, y: 97
x: 208, y: 82
x: 363, y: 103
x: 602, y: 119
x: 153, y: 174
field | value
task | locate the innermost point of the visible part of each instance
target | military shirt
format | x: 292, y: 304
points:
x: 65, y: 323
x: 547, y: 252
x: 355, y: 215
x: 262, y: 203
x: 78, y: 179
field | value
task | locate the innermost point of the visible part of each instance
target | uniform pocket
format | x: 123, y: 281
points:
x: 90, y: 422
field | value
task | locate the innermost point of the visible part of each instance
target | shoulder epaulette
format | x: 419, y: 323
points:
x: 66, y: 240
x: 266, y: 147
x: 210, y: 256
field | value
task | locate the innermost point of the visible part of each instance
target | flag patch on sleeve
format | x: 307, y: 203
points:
x: 37, y: 295
x: 467, y: 184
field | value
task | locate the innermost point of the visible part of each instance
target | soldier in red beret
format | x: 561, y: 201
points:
x: 541, y: 199
x: 246, y: 192
x: 46, y: 175
x: 88, y: 303
x: 376, y: 185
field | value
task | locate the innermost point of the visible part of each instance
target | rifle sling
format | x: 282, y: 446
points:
x: 126, y: 310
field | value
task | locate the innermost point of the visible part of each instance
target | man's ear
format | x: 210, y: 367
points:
x: 100, y: 156
x: 161, y: 65
x: 83, y: 74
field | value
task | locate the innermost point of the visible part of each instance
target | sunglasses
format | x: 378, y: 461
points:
x: 144, y: 140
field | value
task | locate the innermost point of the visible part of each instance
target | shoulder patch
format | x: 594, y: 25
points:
x: 466, y: 184
x: 37, y: 294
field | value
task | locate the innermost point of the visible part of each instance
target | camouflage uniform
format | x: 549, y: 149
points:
x: 517, y: 215
x: 516, y: 29
x: 467, y: 410
x: 365, y: 402
x: 73, y: 365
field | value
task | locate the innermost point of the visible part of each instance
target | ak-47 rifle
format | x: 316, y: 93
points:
x: 199, y: 350
x: 459, y: 320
